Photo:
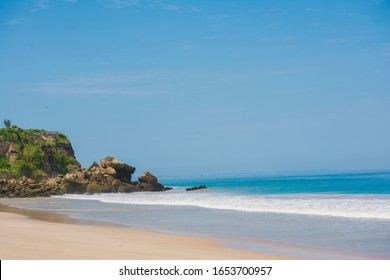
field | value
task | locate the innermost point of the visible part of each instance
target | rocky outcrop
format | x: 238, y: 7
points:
x: 25, y: 187
x: 34, y: 153
x: 94, y: 179
x: 149, y: 182
x: 4, y: 146
x: 111, y: 176
x: 12, y: 154
x: 123, y: 171
x: 201, y: 187
x: 52, y: 168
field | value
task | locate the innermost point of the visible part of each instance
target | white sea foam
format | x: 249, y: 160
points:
x: 350, y: 206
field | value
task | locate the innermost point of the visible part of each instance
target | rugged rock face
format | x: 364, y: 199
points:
x: 42, y: 163
x: 12, y: 154
x: 148, y: 181
x: 36, y: 154
x: 4, y: 146
x: 94, y: 179
x: 25, y: 187
x: 122, y: 171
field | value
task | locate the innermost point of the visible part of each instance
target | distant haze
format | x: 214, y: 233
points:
x: 203, y: 87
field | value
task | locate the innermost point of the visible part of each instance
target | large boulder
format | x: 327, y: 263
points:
x: 149, y: 182
x: 74, y: 186
x: 122, y: 170
x: 148, y: 178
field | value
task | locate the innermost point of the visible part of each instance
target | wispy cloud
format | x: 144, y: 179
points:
x: 141, y: 84
x: 300, y: 90
x: 195, y: 9
x: 335, y: 42
x: 377, y: 50
x: 119, y: 4
x: 157, y: 4
x: 378, y: 1
x: 384, y: 50
x: 38, y: 5
x: 285, y: 72
x: 219, y: 16
x: 136, y: 84
x: 212, y: 37
x: 174, y: 6
x: 283, y: 40
x: 311, y: 9
x: 265, y: 13
x: 188, y: 47
x: 169, y: 6
x: 14, y: 21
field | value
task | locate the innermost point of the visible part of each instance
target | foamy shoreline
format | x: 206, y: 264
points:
x: 54, y: 236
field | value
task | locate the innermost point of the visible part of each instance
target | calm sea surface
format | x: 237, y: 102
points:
x: 341, y: 216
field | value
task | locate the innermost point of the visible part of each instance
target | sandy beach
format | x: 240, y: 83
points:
x: 55, y: 237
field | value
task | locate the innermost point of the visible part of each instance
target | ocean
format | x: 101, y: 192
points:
x: 332, y: 216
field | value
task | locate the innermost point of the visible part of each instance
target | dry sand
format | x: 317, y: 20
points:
x: 22, y: 237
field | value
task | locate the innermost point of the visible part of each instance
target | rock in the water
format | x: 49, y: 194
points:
x: 196, y: 188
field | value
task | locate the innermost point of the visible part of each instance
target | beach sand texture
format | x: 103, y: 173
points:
x: 22, y: 237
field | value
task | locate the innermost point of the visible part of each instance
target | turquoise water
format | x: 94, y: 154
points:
x: 361, y: 183
x: 341, y: 216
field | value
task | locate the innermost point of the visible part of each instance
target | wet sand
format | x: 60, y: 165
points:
x: 32, y: 234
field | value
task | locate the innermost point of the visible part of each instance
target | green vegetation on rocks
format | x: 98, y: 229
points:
x: 5, y: 166
x: 37, y: 162
x: 34, y: 153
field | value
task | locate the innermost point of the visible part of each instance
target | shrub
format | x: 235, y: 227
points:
x: 62, y: 161
x: 9, y: 134
x: 7, y: 123
x: 33, y: 155
x: 34, y: 149
x: 24, y: 168
x: 5, y: 166
x: 61, y: 137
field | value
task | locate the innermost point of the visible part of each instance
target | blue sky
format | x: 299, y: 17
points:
x: 203, y: 87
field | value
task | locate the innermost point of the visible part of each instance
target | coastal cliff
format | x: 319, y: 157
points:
x: 43, y: 163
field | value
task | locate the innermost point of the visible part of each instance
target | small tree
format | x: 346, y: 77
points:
x: 7, y: 123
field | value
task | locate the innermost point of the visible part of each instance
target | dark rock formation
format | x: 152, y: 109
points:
x: 149, y: 182
x: 4, y: 146
x: 196, y: 188
x: 94, y: 179
x: 34, y: 153
x: 122, y: 171
x: 42, y: 163
x: 25, y: 187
